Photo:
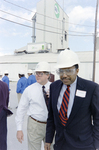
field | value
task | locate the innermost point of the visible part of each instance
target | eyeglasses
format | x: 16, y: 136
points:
x: 40, y: 73
x: 66, y: 71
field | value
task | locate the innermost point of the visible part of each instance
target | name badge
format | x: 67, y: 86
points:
x: 81, y: 93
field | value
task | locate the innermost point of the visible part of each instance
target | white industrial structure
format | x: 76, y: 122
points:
x: 50, y: 26
x: 15, y: 63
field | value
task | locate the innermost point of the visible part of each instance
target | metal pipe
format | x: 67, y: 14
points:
x: 33, y: 30
x: 95, y: 35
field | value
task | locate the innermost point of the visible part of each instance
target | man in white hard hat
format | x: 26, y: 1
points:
x: 21, y: 84
x: 31, y: 78
x: 73, y: 108
x: 6, y: 78
x: 34, y: 100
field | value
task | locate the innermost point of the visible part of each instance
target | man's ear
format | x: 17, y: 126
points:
x: 48, y: 76
x: 77, y: 70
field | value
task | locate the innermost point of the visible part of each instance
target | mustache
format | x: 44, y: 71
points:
x: 64, y: 78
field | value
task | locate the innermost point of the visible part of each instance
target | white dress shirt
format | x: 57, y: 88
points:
x: 71, y: 99
x: 33, y: 102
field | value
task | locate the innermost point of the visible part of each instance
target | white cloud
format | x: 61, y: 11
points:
x: 27, y: 34
x: 82, y: 17
x: 19, y: 0
x: 25, y: 15
x: 80, y: 14
x: 10, y: 32
x: 15, y: 33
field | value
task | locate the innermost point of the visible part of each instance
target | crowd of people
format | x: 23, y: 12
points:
x: 64, y: 113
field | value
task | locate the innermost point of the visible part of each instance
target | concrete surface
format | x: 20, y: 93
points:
x: 12, y: 142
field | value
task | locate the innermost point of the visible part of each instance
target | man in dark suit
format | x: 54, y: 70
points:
x: 4, y: 112
x: 73, y: 116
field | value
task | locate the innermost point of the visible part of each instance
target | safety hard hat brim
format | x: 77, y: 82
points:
x: 66, y: 59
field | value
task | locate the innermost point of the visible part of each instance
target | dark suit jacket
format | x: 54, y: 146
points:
x: 4, y: 98
x: 79, y: 133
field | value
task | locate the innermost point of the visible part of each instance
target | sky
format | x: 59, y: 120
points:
x: 13, y: 36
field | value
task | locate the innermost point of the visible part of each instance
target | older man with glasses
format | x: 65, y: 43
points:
x: 34, y: 100
x: 73, y: 108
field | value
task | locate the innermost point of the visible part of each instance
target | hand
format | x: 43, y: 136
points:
x: 20, y: 136
x: 47, y: 146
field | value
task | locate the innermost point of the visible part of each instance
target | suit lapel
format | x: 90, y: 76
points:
x: 57, y: 92
x: 77, y: 101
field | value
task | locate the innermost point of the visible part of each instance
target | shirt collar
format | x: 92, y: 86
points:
x: 44, y: 85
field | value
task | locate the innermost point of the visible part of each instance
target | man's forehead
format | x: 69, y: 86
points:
x: 40, y: 71
x: 67, y: 67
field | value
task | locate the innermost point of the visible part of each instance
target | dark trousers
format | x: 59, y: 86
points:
x: 3, y: 130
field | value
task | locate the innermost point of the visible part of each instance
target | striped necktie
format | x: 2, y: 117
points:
x: 64, y: 106
x: 45, y: 96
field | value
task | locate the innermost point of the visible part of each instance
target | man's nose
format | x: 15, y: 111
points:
x: 64, y: 74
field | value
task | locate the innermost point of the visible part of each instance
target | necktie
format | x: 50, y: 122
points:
x: 64, y: 106
x: 45, y: 95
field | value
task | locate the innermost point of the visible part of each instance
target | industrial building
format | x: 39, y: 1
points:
x: 15, y: 63
x: 50, y: 26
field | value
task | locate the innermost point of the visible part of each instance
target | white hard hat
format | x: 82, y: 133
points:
x: 21, y: 72
x: 67, y: 58
x: 43, y: 66
x: 6, y: 72
x: 30, y: 71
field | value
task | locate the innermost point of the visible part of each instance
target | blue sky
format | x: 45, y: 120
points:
x: 81, y: 21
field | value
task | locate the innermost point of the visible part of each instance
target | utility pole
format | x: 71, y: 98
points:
x: 62, y: 38
x: 95, y: 38
x: 44, y: 20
